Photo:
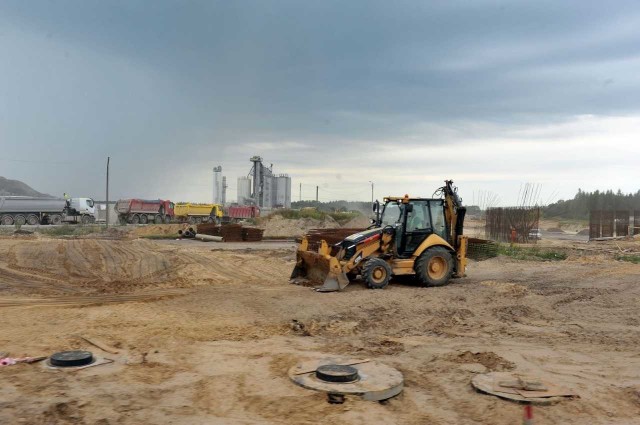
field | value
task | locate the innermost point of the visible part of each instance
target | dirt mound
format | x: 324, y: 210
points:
x: 555, y: 230
x: 488, y: 359
x: 359, y: 222
x: 506, y: 288
x: 94, y: 265
x: 516, y: 313
x: 278, y: 226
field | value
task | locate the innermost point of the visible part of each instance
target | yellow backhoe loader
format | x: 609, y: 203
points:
x: 409, y: 236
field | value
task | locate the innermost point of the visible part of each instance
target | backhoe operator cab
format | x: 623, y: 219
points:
x: 412, y: 222
x: 409, y: 236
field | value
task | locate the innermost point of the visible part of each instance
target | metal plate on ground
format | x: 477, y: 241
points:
x: 501, y: 384
x: 375, y: 382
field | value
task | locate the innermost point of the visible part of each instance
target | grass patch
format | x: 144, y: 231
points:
x: 635, y: 259
x: 340, y: 217
x: 531, y: 253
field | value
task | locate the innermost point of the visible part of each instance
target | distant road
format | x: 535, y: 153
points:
x: 564, y: 236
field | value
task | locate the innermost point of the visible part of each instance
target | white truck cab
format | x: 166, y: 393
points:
x: 83, y: 209
x: 83, y: 205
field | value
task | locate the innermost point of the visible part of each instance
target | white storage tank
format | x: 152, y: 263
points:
x: 244, y: 190
x: 283, y: 191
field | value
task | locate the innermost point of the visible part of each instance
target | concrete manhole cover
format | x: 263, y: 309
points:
x: 339, y: 376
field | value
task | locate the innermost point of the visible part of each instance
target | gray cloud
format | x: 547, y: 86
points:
x: 170, y: 89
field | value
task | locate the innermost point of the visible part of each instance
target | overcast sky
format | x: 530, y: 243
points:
x: 492, y: 94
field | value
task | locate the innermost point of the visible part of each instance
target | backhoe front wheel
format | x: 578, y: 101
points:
x: 434, y: 267
x: 377, y: 273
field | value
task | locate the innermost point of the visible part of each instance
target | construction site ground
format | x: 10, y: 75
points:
x: 205, y: 334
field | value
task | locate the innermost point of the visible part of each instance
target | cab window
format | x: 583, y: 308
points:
x: 391, y: 214
x: 419, y: 219
x: 437, y: 214
x: 90, y: 203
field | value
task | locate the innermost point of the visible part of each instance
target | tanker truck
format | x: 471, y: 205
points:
x: 22, y: 210
x: 143, y: 211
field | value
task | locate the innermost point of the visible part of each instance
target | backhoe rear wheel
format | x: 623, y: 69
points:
x: 377, y: 273
x: 434, y: 267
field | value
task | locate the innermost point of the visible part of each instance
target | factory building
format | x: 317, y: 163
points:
x: 268, y: 190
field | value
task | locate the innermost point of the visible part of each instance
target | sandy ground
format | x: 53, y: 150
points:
x: 207, y: 335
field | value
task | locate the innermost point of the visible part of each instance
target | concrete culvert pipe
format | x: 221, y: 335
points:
x: 209, y: 238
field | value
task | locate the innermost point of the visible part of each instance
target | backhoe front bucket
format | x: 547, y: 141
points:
x: 319, y: 267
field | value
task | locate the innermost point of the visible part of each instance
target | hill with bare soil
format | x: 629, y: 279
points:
x: 10, y: 187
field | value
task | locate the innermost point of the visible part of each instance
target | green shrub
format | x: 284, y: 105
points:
x: 635, y: 259
x: 531, y: 253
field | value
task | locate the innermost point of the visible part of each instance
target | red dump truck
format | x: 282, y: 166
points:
x: 142, y: 211
x: 237, y: 213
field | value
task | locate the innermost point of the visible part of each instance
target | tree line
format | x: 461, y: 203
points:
x: 583, y: 202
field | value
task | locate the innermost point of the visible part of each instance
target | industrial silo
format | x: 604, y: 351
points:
x: 283, y: 191
x: 244, y: 190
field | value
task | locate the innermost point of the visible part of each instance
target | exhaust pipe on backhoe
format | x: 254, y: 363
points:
x: 318, y: 267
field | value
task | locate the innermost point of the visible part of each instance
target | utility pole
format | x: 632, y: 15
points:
x: 108, y: 159
x: 300, y: 192
x: 316, y: 193
x: 371, y: 191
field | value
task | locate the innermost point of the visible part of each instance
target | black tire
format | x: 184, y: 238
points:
x: 55, y: 219
x: 135, y: 219
x: 434, y: 267
x: 144, y: 219
x: 19, y: 220
x: 122, y: 220
x: 192, y: 220
x: 85, y: 219
x: 157, y: 219
x: 32, y: 220
x: 377, y: 273
x: 6, y: 220
x: 167, y: 219
x: 71, y: 358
